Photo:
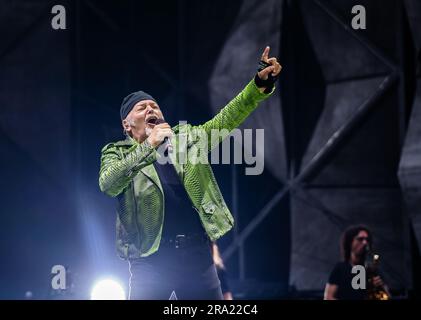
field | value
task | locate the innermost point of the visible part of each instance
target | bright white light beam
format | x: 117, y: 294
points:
x: 108, y: 289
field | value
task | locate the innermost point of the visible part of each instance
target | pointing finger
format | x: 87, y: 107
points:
x: 265, y: 54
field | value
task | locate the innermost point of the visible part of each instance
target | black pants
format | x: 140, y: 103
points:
x: 189, y: 272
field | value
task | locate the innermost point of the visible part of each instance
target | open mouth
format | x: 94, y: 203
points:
x: 151, y: 121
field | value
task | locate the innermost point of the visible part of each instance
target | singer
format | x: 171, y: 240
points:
x: 168, y: 214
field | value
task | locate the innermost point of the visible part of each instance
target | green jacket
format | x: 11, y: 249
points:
x: 127, y: 173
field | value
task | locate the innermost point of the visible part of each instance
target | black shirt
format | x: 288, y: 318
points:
x: 342, y: 276
x: 180, y: 217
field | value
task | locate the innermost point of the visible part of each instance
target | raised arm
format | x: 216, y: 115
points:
x: 239, y: 108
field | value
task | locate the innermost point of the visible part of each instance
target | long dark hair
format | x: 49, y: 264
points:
x: 348, y: 236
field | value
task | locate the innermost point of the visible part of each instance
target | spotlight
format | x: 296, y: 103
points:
x: 108, y: 289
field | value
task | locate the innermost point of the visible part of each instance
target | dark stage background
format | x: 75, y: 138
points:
x: 342, y: 133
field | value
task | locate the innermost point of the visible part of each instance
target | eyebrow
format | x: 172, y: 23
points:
x: 144, y: 103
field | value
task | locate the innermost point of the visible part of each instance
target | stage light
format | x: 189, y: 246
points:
x: 108, y: 289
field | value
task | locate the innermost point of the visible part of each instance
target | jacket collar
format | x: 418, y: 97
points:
x: 150, y: 172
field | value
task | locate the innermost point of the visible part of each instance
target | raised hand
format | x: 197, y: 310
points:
x: 274, y: 68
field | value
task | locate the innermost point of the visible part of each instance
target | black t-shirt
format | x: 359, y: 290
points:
x: 342, y: 276
x: 180, y: 217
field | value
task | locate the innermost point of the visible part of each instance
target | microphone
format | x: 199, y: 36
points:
x: 167, y: 142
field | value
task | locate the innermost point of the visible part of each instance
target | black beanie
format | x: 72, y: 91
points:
x: 130, y: 101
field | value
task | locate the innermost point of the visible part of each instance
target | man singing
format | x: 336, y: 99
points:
x: 168, y: 213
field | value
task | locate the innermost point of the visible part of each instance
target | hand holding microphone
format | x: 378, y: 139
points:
x: 161, y: 133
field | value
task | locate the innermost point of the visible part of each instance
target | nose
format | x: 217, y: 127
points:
x: 149, y: 108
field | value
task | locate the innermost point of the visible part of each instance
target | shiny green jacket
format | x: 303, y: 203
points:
x: 127, y: 173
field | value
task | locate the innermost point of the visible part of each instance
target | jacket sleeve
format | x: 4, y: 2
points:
x: 116, y: 172
x: 232, y: 115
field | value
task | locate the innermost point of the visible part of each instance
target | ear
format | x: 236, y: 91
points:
x: 126, y: 125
